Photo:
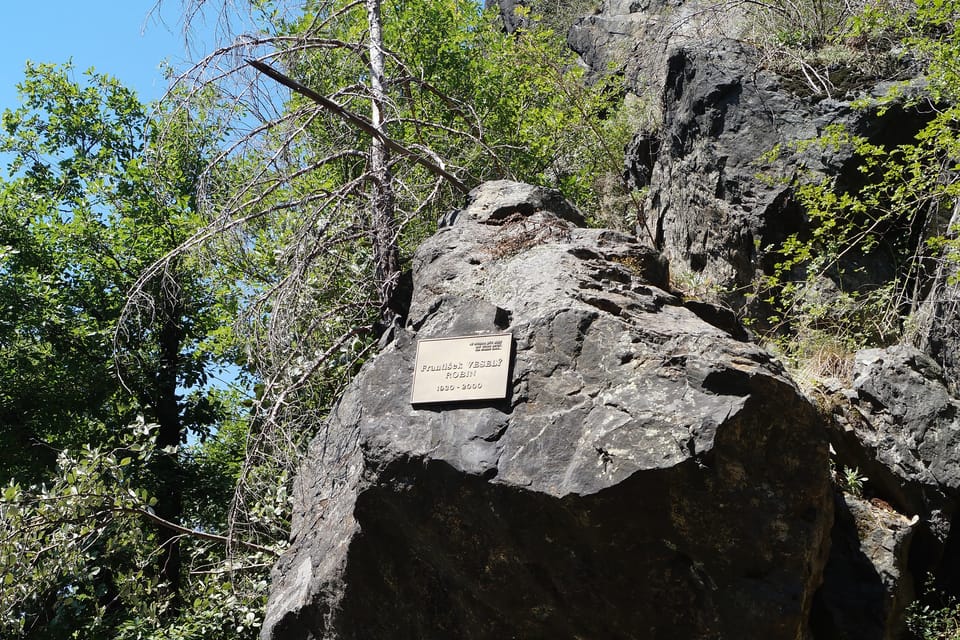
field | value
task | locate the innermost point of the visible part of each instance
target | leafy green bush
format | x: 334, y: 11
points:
x: 940, y: 621
x: 78, y: 555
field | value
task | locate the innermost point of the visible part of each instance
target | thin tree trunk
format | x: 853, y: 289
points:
x: 384, y: 230
x: 169, y: 489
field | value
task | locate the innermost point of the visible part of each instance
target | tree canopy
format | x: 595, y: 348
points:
x: 94, y: 197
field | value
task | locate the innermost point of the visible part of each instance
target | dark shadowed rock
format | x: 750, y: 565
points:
x: 711, y: 123
x: 867, y: 585
x: 714, y: 202
x: 648, y: 476
x: 900, y: 428
x: 941, y: 329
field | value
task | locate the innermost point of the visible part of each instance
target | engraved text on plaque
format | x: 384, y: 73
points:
x: 462, y: 368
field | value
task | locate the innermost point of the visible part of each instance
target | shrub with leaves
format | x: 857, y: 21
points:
x: 81, y: 550
x: 936, y: 617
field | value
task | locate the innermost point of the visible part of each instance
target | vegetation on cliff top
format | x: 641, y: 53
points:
x: 878, y: 239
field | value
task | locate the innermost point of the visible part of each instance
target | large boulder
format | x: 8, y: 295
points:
x: 647, y: 475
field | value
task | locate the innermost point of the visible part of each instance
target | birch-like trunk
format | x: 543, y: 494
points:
x: 384, y: 231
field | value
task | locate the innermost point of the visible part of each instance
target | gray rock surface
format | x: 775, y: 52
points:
x: 648, y: 476
x: 867, y: 583
x: 637, y: 36
x: 938, y: 318
x: 715, y: 199
x: 900, y: 427
x: 719, y: 113
x: 714, y: 202
x: 911, y: 428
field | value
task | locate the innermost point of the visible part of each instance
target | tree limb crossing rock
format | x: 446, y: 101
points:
x: 649, y: 476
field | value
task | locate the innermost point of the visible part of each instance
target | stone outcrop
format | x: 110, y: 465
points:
x: 867, y: 583
x: 898, y: 428
x: 908, y: 434
x: 648, y: 475
x: 637, y: 36
x: 716, y: 198
x: 938, y: 318
x: 706, y: 206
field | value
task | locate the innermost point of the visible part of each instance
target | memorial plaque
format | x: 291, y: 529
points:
x: 462, y: 368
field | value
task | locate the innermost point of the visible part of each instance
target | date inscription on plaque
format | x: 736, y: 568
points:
x: 462, y: 368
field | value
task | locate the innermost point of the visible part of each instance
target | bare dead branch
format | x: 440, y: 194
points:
x: 194, y: 533
x: 357, y: 121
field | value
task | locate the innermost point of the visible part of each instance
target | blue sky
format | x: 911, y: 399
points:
x: 117, y: 37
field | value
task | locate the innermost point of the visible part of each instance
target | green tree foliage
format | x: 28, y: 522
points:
x: 84, y: 212
x: 57, y: 319
x: 96, y: 530
x: 79, y: 556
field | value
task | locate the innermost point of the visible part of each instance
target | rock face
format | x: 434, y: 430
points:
x: 706, y: 205
x: 938, y: 319
x: 648, y: 475
x: 716, y: 198
x: 715, y: 203
x: 637, y: 36
x: 718, y: 114
x: 867, y: 584
x: 911, y: 430
x: 899, y: 428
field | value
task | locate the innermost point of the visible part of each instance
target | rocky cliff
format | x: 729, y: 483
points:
x: 716, y: 199
x: 714, y: 212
